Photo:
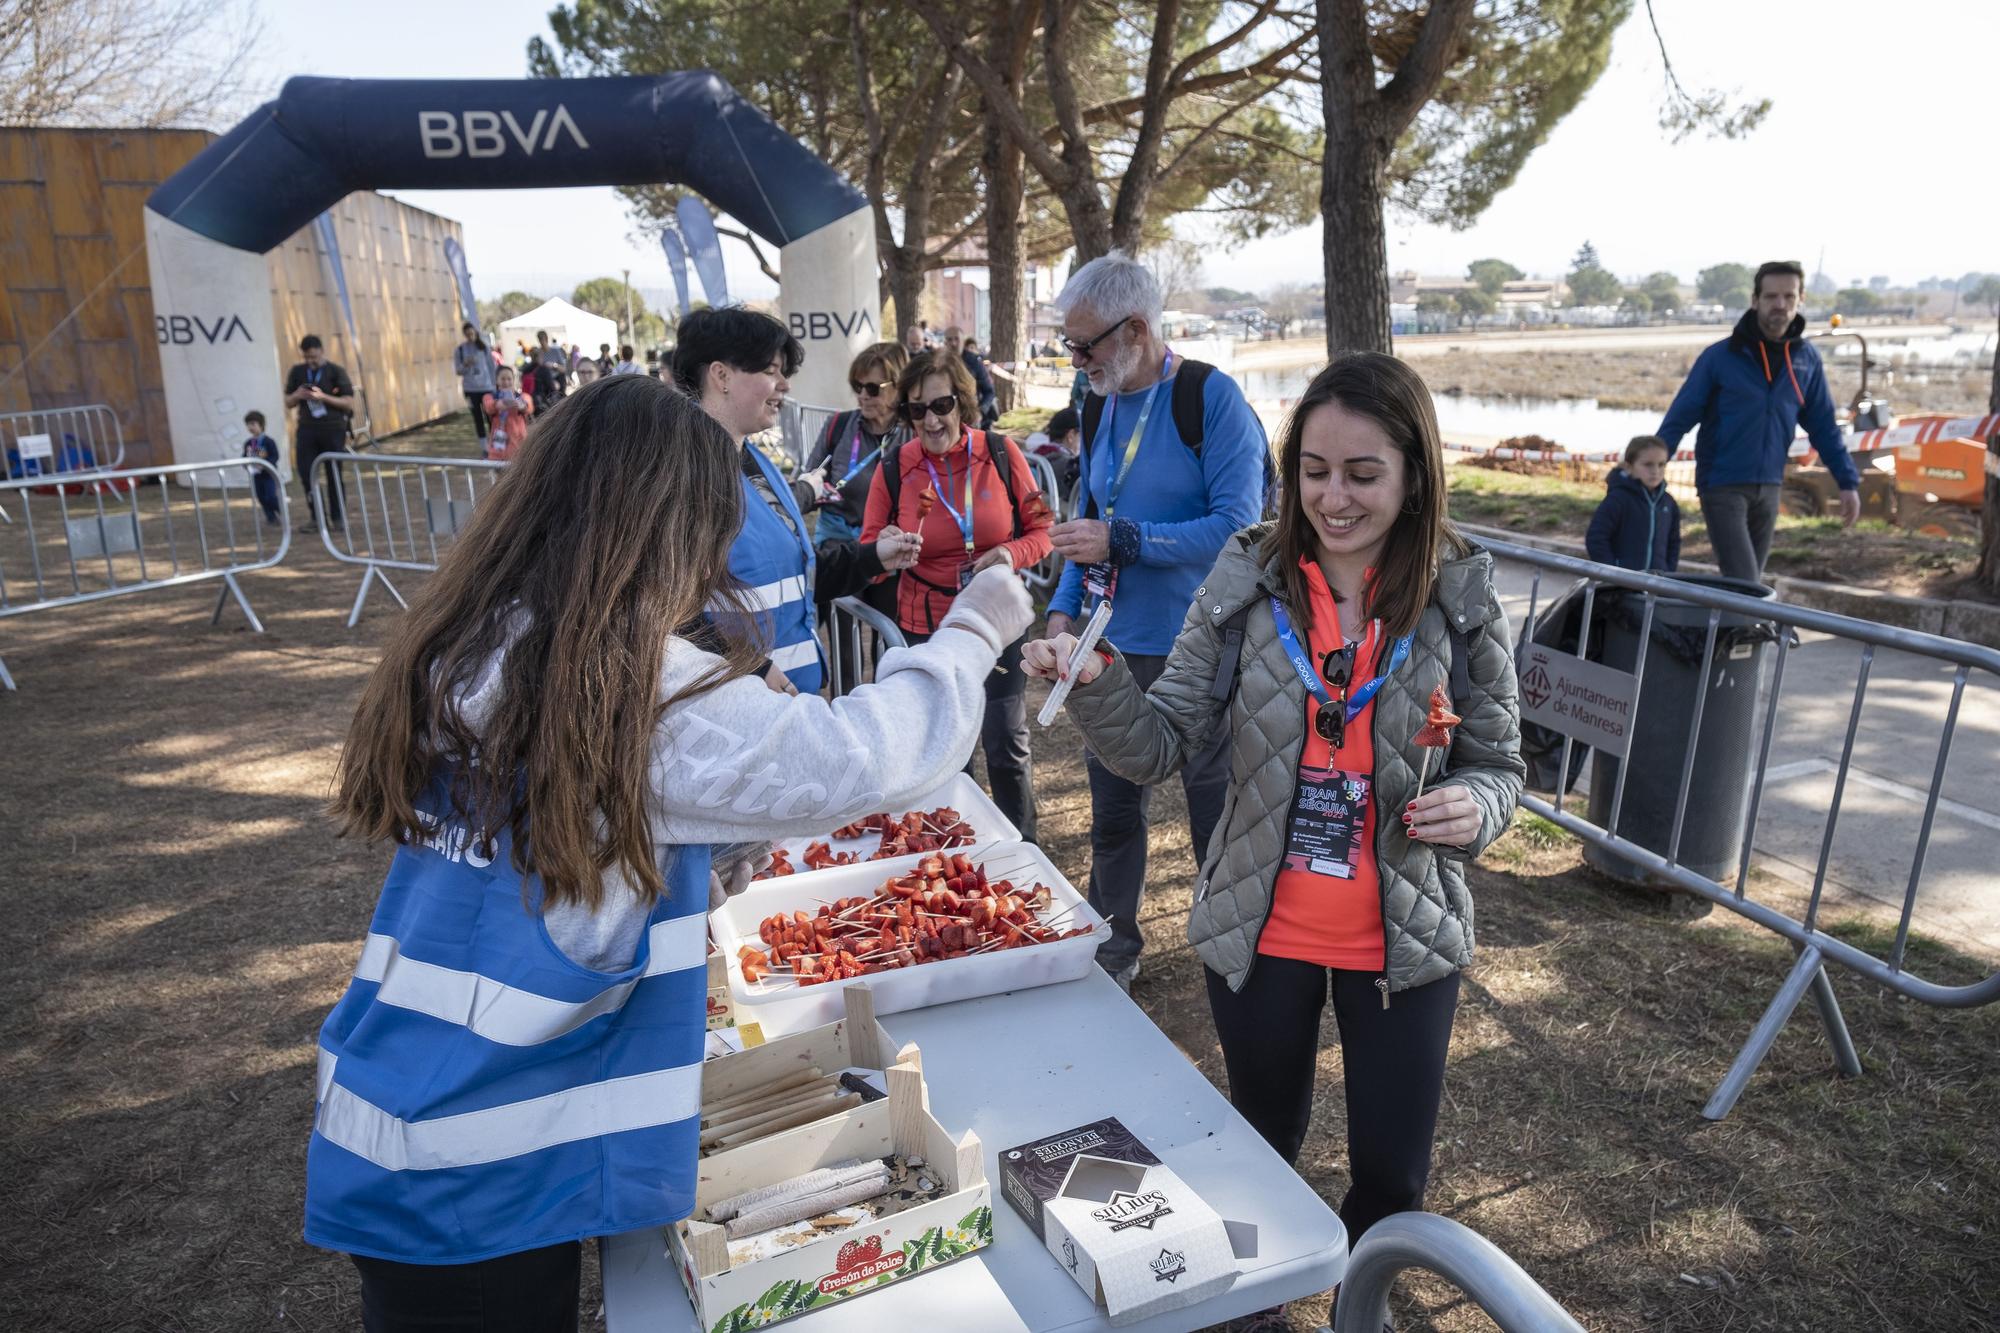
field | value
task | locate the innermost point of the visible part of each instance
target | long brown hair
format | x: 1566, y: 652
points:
x: 608, y: 532
x: 1387, y: 392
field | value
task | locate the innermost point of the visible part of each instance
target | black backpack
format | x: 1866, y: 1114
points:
x: 1188, y: 424
x: 892, y: 476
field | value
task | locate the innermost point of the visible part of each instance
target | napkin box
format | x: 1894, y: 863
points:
x: 1132, y: 1233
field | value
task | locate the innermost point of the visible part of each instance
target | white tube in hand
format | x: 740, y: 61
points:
x: 1085, y: 646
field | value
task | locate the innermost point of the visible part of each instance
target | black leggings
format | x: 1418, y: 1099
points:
x: 1003, y: 734
x: 1393, y: 1069
x: 534, y: 1291
x: 477, y: 402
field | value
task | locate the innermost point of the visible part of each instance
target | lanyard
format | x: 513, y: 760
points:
x: 962, y: 518
x: 1302, y: 665
x: 855, y: 463
x: 1116, y: 482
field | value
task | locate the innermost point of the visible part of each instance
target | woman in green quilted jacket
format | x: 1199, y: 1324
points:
x: 1318, y: 641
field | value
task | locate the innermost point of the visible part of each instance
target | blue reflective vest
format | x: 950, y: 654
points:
x: 479, y: 1093
x: 774, y: 563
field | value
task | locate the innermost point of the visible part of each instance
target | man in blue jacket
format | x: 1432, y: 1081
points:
x: 1172, y: 462
x: 1749, y: 394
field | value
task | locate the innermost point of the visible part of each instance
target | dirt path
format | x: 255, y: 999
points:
x: 181, y: 918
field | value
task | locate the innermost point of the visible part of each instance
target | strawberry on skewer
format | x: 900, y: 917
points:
x: 1435, y: 734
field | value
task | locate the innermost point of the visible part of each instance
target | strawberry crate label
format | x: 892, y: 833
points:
x: 861, y: 1265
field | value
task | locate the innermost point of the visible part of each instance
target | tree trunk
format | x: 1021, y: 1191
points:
x: 1006, y: 188
x: 1355, y: 247
x: 905, y: 265
x: 1355, y: 243
x: 1989, y: 518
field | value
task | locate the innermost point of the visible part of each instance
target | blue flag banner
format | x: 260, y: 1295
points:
x: 704, y: 247
x: 677, y: 264
x: 454, y: 255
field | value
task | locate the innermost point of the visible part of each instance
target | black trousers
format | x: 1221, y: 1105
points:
x: 1393, y: 1062
x: 477, y: 402
x: 325, y: 436
x: 1120, y: 818
x: 1003, y: 735
x: 535, y: 1291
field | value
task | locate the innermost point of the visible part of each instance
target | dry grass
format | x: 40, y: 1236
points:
x: 181, y: 917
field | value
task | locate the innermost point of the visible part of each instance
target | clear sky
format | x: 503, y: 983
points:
x: 1880, y: 150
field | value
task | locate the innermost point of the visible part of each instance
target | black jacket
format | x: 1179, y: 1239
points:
x: 1635, y: 528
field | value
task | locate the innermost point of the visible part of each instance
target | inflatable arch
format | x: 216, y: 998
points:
x: 209, y: 226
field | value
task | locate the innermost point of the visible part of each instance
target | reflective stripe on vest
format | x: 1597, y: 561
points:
x: 479, y: 1093
x: 774, y: 562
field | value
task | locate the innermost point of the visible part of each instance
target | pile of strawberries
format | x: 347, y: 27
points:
x: 902, y: 835
x: 945, y: 908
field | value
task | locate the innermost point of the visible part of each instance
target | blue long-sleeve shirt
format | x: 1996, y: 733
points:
x: 1183, y: 506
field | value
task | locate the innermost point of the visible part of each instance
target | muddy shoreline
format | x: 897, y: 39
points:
x: 1647, y: 379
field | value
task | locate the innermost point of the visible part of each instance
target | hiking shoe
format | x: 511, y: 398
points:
x: 1264, y: 1321
x: 1126, y: 975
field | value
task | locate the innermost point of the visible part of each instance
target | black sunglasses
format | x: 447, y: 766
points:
x: 1331, y: 721
x: 870, y: 388
x: 942, y: 407
x: 1081, y: 350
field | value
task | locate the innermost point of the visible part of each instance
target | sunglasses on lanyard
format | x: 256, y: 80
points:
x: 941, y: 407
x: 1338, y: 668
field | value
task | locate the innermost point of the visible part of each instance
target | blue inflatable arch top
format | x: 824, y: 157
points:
x: 323, y: 139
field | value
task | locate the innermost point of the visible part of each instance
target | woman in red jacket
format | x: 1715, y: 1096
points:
x: 972, y: 498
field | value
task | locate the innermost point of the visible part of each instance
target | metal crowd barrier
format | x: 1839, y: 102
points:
x: 1460, y: 1255
x: 130, y: 531
x: 396, y: 511
x: 799, y: 427
x: 1045, y: 573
x: 1815, y: 947
x: 60, y: 440
x: 845, y: 640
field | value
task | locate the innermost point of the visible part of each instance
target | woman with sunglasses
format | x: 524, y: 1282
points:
x: 1315, y: 644
x: 983, y: 509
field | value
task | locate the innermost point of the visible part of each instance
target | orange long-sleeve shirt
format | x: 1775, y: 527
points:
x: 927, y: 589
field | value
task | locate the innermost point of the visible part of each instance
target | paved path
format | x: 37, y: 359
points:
x: 1895, y: 753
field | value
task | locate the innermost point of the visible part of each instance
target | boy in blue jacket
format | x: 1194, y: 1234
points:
x: 1749, y: 394
x: 1638, y: 525
x: 260, y: 445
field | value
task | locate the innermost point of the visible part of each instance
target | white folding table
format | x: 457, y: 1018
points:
x: 1016, y: 1067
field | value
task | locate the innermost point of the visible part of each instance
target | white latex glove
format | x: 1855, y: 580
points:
x: 732, y: 869
x: 995, y: 606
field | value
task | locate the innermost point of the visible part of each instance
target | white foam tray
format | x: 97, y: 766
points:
x: 785, y: 1007
x: 960, y: 792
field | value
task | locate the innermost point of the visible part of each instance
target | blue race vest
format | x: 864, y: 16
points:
x: 480, y: 1094
x: 775, y: 565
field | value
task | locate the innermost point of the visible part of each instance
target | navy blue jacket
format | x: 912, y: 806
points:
x: 1749, y: 399
x: 1635, y: 528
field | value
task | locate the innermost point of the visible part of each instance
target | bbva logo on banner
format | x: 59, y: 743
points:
x: 477, y: 133
x: 181, y: 330
x: 814, y: 325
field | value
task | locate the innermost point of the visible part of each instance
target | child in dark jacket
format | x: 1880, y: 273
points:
x: 260, y: 445
x: 1638, y: 525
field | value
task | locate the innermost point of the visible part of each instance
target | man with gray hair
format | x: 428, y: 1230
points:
x: 1144, y: 539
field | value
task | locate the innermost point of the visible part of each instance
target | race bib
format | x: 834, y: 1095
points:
x: 1100, y: 580
x: 1328, y: 813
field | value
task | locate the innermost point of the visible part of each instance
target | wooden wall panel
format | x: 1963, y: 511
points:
x: 405, y: 306
x: 74, y: 287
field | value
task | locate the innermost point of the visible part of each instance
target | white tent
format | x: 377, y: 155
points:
x: 564, y: 323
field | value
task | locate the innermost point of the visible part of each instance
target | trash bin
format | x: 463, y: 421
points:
x: 1718, y: 782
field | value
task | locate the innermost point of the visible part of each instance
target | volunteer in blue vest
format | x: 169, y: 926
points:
x: 1748, y: 395
x: 516, y: 1064
x: 1176, y: 463
x: 738, y: 365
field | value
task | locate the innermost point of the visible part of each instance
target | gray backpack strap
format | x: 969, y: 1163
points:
x: 1227, y: 665
x: 1461, y: 670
